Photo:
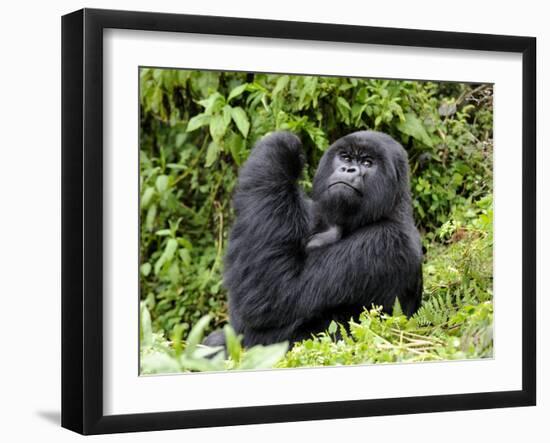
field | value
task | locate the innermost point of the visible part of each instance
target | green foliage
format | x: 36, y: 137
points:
x: 380, y: 338
x: 197, y: 128
x: 159, y: 355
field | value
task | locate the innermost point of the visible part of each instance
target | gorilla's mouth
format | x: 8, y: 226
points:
x: 346, y: 184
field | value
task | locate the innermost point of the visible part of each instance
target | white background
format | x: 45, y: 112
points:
x: 30, y: 222
x: 126, y: 393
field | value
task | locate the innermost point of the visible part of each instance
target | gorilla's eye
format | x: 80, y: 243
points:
x: 366, y: 161
x: 345, y: 156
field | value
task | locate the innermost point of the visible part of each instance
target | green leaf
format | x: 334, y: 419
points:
x: 176, y: 338
x: 218, y: 125
x: 167, y: 254
x: 212, y: 153
x: 356, y: 112
x: 235, y: 92
x: 180, y: 139
x: 147, y: 197
x: 233, y: 343
x: 342, y: 103
x: 161, y: 183
x: 198, y: 121
x: 281, y: 84
x: 333, y: 327
x: 196, y: 334
x: 156, y: 100
x: 241, y: 120
x: 397, y: 311
x: 236, y: 146
x: 204, y: 83
x: 413, y: 126
x: 213, y: 104
x: 185, y: 257
x: 145, y: 269
x: 194, y: 363
x: 150, y: 217
x: 263, y: 357
x: 227, y: 115
x: 146, y: 330
x: 158, y: 363
x: 344, y: 108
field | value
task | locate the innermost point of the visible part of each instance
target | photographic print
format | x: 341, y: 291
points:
x: 250, y: 204
x: 291, y: 221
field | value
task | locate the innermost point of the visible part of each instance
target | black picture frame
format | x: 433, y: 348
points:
x: 82, y: 218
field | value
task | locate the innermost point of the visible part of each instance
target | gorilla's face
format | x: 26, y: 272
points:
x: 361, y: 178
x: 351, y: 167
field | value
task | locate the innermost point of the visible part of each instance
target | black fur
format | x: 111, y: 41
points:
x: 279, y: 289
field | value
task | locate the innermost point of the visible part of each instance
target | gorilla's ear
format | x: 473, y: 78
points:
x: 401, y: 168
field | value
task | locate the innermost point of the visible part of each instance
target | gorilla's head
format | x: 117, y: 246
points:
x: 363, y: 177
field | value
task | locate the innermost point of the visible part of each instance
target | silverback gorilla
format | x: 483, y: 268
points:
x: 294, y: 264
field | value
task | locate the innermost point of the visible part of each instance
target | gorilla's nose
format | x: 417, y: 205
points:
x: 352, y: 170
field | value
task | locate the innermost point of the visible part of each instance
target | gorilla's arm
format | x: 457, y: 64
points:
x: 272, y: 281
x: 372, y: 265
x: 267, y: 238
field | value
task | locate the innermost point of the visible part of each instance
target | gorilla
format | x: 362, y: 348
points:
x: 294, y: 263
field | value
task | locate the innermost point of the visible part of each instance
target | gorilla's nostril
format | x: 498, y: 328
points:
x: 351, y: 170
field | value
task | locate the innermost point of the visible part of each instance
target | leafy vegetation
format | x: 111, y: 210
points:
x: 161, y: 356
x: 197, y: 128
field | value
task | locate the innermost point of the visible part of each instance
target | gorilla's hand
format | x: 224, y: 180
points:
x: 325, y: 238
x: 276, y: 158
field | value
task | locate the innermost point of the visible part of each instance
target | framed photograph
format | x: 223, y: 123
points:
x: 269, y: 221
